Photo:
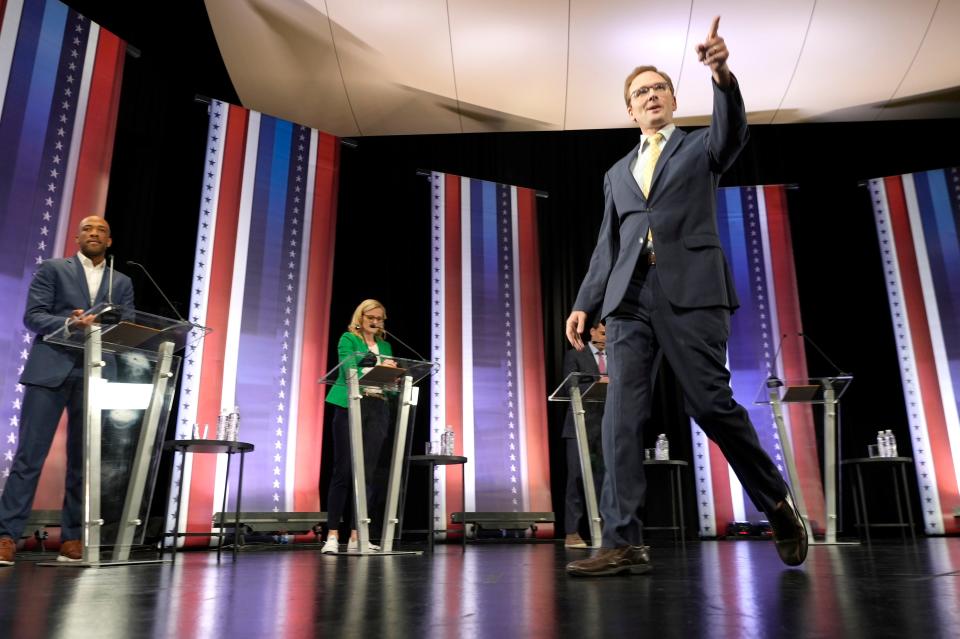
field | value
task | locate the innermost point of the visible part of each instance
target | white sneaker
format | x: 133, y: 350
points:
x: 331, y: 546
x: 354, y: 546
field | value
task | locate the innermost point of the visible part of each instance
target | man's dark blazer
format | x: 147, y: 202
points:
x: 585, y: 362
x: 58, y: 287
x: 681, y: 210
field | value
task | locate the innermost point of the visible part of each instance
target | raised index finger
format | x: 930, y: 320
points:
x: 713, y: 28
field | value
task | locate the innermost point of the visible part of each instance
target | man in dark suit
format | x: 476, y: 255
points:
x: 660, y: 280
x: 592, y: 362
x: 52, y: 381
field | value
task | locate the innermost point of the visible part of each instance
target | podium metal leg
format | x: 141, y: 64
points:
x: 830, y: 463
x: 786, y: 445
x: 396, y: 465
x: 129, y: 520
x: 586, y: 467
x: 359, y: 473
x: 93, y: 372
x: 356, y: 459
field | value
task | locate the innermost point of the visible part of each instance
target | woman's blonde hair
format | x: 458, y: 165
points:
x: 362, y: 309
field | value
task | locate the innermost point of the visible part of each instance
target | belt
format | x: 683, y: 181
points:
x: 651, y: 258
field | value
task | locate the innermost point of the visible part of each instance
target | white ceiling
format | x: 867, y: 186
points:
x: 377, y: 67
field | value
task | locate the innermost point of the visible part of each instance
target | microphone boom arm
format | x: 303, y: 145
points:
x: 159, y: 290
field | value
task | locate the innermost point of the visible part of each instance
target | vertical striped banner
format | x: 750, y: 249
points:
x: 488, y: 337
x: 262, y: 281
x: 59, y: 90
x: 755, y: 234
x: 917, y: 217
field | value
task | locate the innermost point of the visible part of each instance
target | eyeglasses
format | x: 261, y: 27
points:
x: 374, y: 318
x: 659, y: 87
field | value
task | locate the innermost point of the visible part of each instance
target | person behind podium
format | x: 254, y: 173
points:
x: 659, y: 278
x: 52, y: 380
x: 364, y: 335
x: 592, y: 362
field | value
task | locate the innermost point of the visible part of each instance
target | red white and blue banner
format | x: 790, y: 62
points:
x: 917, y: 217
x: 755, y: 234
x: 59, y: 92
x: 488, y: 337
x: 261, y: 280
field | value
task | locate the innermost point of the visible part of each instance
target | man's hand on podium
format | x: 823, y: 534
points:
x: 77, y: 318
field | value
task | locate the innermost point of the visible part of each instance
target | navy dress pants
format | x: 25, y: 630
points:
x: 645, y: 327
x: 40, y: 413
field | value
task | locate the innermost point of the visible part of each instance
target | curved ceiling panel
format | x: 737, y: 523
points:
x: 376, y: 67
x: 511, y: 63
x: 855, y: 55
x: 396, y: 63
x: 931, y: 87
x: 607, y: 40
x: 749, y: 27
x: 282, y: 61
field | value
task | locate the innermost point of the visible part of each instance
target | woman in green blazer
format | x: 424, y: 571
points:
x: 364, y: 334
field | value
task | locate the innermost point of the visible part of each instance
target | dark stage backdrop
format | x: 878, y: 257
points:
x: 383, y: 238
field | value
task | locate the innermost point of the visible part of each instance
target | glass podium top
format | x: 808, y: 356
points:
x: 379, y: 371
x: 809, y: 390
x: 593, y: 388
x: 123, y: 328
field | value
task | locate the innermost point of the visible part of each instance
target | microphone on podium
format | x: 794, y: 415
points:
x: 157, y: 286
x: 404, y: 344
x: 110, y: 284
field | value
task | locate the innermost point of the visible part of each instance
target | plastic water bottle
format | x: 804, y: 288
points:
x: 232, y: 425
x: 662, y: 451
x: 447, y: 441
x: 222, y: 424
x: 881, y: 444
x: 891, y: 444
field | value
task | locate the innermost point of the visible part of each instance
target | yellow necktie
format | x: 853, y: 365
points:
x: 653, y: 154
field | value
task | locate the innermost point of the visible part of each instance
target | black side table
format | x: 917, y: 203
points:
x: 675, y: 466
x: 214, y: 446
x: 900, y: 487
x: 432, y: 461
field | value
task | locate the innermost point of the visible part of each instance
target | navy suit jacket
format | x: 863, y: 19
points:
x: 681, y: 210
x: 584, y: 362
x: 58, y: 287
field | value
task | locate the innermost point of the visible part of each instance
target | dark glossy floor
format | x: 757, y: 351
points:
x: 709, y: 589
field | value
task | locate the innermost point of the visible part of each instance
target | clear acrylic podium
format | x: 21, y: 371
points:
x: 581, y: 388
x: 128, y: 385
x: 372, y: 374
x: 825, y: 391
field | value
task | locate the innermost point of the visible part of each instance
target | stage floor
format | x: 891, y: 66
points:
x: 500, y: 590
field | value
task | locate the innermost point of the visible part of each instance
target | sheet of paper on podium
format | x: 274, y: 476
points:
x: 382, y: 375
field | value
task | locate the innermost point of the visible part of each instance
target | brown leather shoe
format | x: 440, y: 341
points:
x: 789, y: 533
x: 613, y: 561
x: 71, y: 550
x: 8, y: 548
x: 574, y: 540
